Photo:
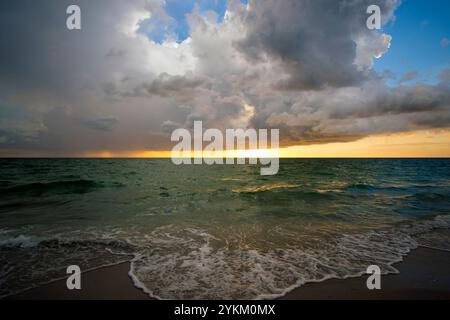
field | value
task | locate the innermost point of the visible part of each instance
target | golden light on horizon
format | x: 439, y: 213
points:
x: 429, y: 143
x: 418, y: 144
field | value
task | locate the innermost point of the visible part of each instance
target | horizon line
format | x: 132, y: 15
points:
x: 161, y: 158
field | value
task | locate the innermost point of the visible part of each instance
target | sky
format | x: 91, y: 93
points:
x: 418, y: 22
x: 139, y: 69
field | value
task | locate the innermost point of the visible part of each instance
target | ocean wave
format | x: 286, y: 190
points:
x: 26, y: 263
x: 282, y: 192
x: 21, y: 241
x: 430, y: 196
x: 231, y: 179
x: 5, y: 183
x: 60, y: 187
x: 369, y: 187
x: 201, y: 269
x: 80, y: 186
x: 264, y: 188
x: 173, y: 262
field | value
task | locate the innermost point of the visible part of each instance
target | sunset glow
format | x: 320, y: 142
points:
x: 435, y: 144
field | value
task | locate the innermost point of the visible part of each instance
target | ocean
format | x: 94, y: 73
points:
x: 217, y: 232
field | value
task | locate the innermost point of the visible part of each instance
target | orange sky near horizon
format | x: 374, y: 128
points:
x: 428, y: 143
x: 418, y: 144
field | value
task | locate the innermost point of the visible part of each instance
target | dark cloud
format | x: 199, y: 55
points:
x: 116, y: 53
x: 106, y: 123
x: 314, y: 40
x: 17, y: 126
x: 305, y: 67
x: 166, y: 85
x: 402, y: 100
x: 347, y: 114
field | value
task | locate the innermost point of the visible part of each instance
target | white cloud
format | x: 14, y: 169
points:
x: 306, y: 67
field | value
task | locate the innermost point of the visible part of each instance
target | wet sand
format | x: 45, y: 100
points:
x: 424, y: 274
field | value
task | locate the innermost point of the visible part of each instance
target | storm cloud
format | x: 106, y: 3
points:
x: 305, y: 67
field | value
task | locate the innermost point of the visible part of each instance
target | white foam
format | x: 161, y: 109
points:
x: 173, y: 262
x: 17, y: 241
x: 187, y: 264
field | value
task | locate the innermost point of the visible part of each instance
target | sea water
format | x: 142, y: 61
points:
x: 215, y: 232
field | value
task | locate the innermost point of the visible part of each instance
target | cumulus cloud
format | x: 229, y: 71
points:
x: 305, y: 67
x: 346, y: 114
x: 319, y: 43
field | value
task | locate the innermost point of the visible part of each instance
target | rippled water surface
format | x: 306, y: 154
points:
x: 217, y: 231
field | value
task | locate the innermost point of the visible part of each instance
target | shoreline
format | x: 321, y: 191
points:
x: 423, y: 274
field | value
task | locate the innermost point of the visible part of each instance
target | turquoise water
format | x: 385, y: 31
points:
x: 221, y: 231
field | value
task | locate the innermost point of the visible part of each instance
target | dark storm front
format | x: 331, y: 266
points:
x: 185, y: 227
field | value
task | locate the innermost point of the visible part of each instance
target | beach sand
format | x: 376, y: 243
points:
x: 424, y: 274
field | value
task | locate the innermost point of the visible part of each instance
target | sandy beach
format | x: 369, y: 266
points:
x: 424, y: 274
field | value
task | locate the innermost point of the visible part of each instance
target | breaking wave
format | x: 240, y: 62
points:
x: 198, y: 269
x: 190, y: 263
x: 217, y: 232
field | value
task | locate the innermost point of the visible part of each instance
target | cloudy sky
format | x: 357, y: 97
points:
x: 139, y: 69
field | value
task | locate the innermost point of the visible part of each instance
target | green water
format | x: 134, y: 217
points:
x: 216, y: 231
